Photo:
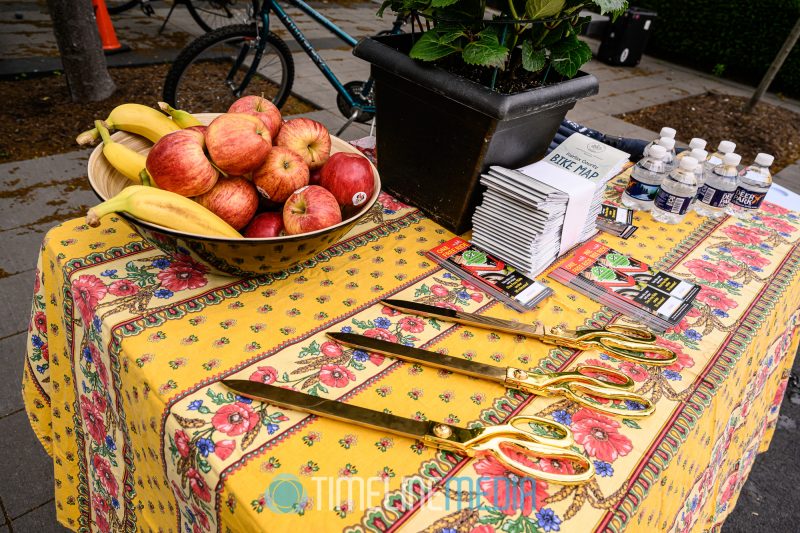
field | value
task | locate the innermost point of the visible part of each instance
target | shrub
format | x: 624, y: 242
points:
x: 742, y: 35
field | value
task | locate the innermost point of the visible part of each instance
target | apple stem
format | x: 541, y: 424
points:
x: 215, y: 166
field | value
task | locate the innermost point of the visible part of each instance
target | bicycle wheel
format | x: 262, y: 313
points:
x: 214, y: 14
x: 118, y: 6
x: 208, y: 74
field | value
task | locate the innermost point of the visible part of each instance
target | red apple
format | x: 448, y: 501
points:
x: 237, y: 143
x: 269, y: 224
x: 308, y: 138
x: 178, y: 163
x: 309, y: 209
x: 282, y: 173
x: 261, y: 108
x: 314, y: 177
x: 202, y: 129
x: 234, y: 200
x: 349, y: 178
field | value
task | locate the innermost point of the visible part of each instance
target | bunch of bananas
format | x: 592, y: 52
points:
x: 142, y: 199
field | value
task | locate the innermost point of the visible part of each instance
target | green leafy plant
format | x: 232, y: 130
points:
x: 529, y: 35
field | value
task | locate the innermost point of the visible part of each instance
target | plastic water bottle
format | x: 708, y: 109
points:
x: 676, y: 192
x: 700, y: 169
x: 669, y: 133
x: 724, y: 147
x: 645, y: 179
x: 669, y: 146
x: 754, y: 182
x: 716, y: 194
x: 697, y: 143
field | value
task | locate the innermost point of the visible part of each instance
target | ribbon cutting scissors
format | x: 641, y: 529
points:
x: 602, y: 389
x: 626, y: 342
x: 529, y: 437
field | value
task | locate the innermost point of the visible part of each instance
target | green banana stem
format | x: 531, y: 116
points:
x: 112, y: 205
x: 145, y: 177
x: 184, y: 119
x: 90, y: 136
x: 100, y: 127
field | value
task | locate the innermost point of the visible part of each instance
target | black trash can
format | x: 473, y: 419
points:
x: 626, y: 38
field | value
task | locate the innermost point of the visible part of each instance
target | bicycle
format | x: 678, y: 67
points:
x: 208, y: 14
x: 221, y: 66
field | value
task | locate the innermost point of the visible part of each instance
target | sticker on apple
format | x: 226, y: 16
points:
x: 359, y: 198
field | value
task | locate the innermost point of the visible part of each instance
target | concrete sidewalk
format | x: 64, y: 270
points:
x: 35, y: 195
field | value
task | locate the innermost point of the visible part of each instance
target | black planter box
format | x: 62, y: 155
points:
x: 436, y: 132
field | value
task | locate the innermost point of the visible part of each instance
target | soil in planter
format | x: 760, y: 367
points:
x: 505, y: 82
x: 714, y: 117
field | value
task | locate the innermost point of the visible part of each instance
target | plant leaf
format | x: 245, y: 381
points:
x: 442, y: 3
x: 532, y: 60
x: 568, y: 55
x: 429, y: 48
x: 611, y: 6
x: 540, y: 9
x: 486, y: 51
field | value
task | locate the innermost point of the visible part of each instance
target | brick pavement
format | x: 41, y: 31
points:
x: 26, y: 493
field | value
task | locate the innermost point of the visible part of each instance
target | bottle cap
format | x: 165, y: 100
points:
x: 657, y: 151
x: 688, y: 163
x: 699, y: 154
x: 667, y: 132
x: 667, y: 142
x: 726, y: 147
x: 697, y: 142
x: 731, y: 159
x: 764, y: 160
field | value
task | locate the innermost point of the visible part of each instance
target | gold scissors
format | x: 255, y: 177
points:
x: 626, y: 342
x: 600, y: 388
x: 520, y: 444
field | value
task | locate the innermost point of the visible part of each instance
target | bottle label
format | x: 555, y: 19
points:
x: 671, y: 203
x: 714, y: 160
x: 714, y: 197
x: 747, y: 199
x: 641, y: 191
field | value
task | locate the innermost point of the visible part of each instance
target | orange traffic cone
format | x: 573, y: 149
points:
x: 106, y: 29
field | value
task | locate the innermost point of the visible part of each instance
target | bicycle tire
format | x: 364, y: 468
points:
x: 212, y: 15
x: 118, y: 7
x: 204, y: 89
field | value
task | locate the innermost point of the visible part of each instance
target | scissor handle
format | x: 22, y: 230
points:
x: 633, y: 333
x: 588, y: 374
x: 610, y: 401
x: 523, y: 457
x: 646, y: 354
x: 542, y: 430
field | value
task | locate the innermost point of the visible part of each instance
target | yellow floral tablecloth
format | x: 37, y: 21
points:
x: 127, y: 347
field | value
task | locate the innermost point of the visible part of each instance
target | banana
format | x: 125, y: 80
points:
x: 128, y: 162
x: 133, y: 118
x: 184, y: 119
x: 164, y: 208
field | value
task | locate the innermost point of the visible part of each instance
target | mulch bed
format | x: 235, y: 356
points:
x: 715, y: 117
x: 38, y: 117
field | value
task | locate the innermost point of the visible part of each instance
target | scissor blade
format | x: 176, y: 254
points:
x: 315, y: 405
x: 460, y: 317
x: 417, y: 355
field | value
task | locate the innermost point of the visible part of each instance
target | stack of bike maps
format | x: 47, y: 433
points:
x: 653, y: 297
x: 490, y: 274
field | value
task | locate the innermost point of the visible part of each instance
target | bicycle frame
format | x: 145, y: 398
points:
x: 305, y: 44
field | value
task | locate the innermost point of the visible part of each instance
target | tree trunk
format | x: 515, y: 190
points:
x: 81, y: 52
